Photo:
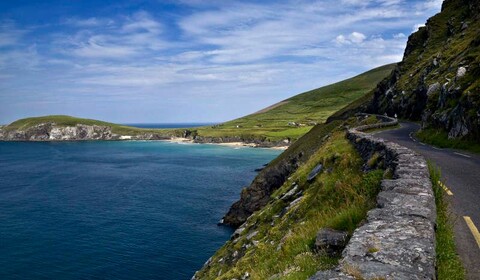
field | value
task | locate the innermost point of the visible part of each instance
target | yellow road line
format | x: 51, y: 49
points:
x: 473, y: 229
x: 447, y: 190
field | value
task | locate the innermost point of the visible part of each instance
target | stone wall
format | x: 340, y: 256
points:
x: 397, y: 241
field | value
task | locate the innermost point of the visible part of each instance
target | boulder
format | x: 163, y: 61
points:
x: 315, y: 171
x: 461, y: 71
x: 433, y: 88
x: 331, y: 241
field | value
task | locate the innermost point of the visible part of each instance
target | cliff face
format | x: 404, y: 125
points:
x: 258, y: 194
x: 438, y: 80
x: 52, y: 132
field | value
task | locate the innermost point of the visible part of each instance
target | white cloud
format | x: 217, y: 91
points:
x: 143, y: 22
x: 340, y: 39
x: 93, y: 49
x: 432, y: 4
x: 399, y: 35
x: 89, y: 22
x: 357, y: 37
x: 122, y: 39
x: 352, y: 38
x: 10, y: 34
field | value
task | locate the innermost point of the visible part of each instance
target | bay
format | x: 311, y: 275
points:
x: 116, y: 210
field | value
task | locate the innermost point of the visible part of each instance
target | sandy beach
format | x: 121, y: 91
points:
x: 229, y: 144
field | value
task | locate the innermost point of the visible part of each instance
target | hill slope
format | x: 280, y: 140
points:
x: 293, y: 117
x: 438, y: 80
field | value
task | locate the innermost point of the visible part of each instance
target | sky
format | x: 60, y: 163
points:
x: 132, y: 61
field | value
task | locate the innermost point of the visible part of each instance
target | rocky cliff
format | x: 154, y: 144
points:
x: 438, y: 80
x: 257, y: 194
x: 50, y: 131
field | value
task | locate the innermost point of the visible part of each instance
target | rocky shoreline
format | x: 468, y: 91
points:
x: 52, y: 132
x: 47, y: 132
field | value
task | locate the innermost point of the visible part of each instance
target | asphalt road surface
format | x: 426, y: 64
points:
x: 461, y: 174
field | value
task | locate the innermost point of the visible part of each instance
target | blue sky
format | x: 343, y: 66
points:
x: 189, y: 61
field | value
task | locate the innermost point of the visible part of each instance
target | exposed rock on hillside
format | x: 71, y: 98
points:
x: 50, y: 131
x: 257, y: 195
x: 438, y: 80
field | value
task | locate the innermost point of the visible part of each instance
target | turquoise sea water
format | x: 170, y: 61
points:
x: 116, y: 210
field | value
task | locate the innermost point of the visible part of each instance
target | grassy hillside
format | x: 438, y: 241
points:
x: 277, y: 241
x: 295, y: 116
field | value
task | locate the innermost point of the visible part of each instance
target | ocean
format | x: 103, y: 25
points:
x: 116, y: 210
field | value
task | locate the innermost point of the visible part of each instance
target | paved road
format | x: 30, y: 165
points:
x: 461, y: 174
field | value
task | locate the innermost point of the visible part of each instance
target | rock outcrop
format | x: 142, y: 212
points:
x: 437, y: 81
x: 52, y: 132
x: 257, y: 195
x: 398, y: 239
x: 331, y: 241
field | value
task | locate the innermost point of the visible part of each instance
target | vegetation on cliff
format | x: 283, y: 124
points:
x: 440, y: 139
x: 438, y: 80
x: 277, y: 242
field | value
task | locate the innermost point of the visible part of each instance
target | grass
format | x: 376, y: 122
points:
x: 282, y: 243
x: 302, y: 111
x: 439, y: 138
x: 449, y: 265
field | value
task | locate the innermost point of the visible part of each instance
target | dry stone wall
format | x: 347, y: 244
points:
x: 398, y: 239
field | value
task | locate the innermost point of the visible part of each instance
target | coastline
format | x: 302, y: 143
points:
x: 182, y: 140
x: 49, y: 132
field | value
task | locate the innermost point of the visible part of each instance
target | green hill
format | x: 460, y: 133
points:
x: 293, y: 117
x: 63, y: 120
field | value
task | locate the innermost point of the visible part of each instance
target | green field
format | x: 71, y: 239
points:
x: 302, y: 111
